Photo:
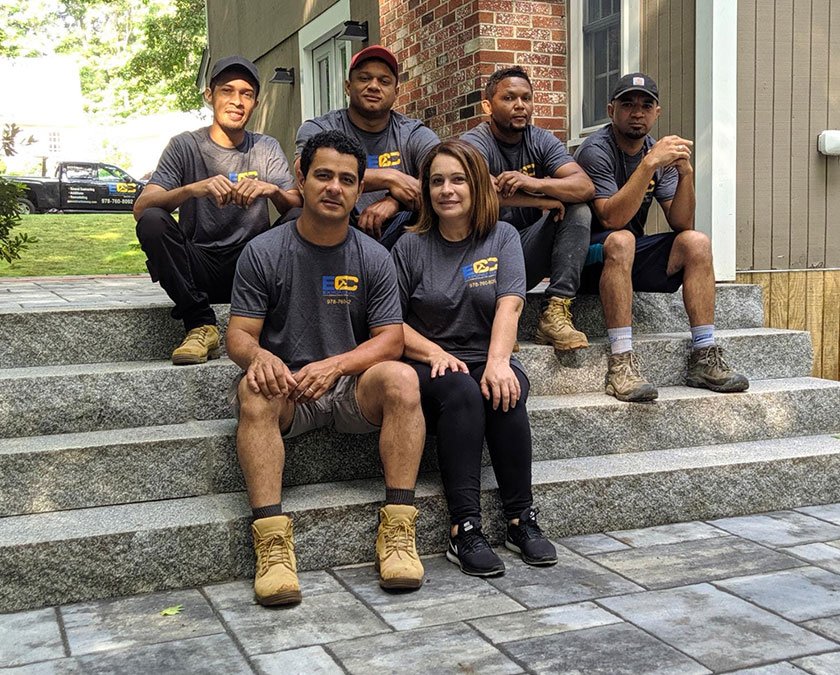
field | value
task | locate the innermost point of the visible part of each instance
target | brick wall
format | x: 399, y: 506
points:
x: 447, y: 48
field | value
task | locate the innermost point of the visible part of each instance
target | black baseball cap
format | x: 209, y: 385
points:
x: 236, y: 63
x: 635, y: 82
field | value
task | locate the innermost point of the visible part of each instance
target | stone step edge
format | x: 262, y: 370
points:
x: 535, y: 293
x: 209, y: 509
x: 71, y: 369
x: 202, y: 429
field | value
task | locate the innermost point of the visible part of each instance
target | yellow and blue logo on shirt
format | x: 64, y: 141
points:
x: 384, y: 161
x: 235, y: 177
x: 339, y: 289
x: 529, y: 170
x: 484, y: 268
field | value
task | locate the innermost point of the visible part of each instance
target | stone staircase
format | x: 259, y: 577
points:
x: 118, y: 472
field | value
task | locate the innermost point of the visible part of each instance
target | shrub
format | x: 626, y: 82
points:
x: 11, y: 246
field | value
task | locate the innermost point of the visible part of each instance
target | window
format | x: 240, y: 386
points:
x: 54, y: 141
x: 601, y: 57
x: 330, y: 61
x: 324, y: 61
x: 603, y: 45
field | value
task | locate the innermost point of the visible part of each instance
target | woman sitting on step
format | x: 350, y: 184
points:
x: 462, y: 287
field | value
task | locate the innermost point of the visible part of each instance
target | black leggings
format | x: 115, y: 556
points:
x: 461, y: 418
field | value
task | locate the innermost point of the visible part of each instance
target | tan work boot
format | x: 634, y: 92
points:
x: 396, y: 555
x: 707, y: 368
x: 624, y: 380
x: 276, y: 581
x: 200, y: 344
x: 556, y: 328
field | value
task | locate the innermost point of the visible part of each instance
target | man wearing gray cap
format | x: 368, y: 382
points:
x: 629, y: 169
x: 220, y: 178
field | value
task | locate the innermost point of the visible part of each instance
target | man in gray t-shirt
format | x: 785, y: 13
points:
x: 220, y: 179
x: 630, y: 168
x: 315, y: 323
x: 534, y: 173
x: 394, y: 144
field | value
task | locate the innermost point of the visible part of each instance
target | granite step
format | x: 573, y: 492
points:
x: 87, y: 397
x: 759, y: 353
x: 44, y: 473
x: 60, y: 557
x: 117, y: 332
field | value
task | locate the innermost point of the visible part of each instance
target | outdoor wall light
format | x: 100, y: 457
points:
x: 355, y: 31
x: 283, y: 76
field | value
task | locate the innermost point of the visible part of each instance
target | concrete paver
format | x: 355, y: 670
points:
x: 728, y: 604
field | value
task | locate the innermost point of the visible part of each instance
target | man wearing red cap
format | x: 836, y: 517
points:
x: 395, y: 145
x: 220, y: 178
x: 629, y: 169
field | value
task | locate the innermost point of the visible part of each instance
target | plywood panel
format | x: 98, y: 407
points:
x: 763, y: 147
x: 815, y: 296
x: 831, y: 328
x: 688, y: 46
x: 745, y: 158
x: 797, y: 301
x: 779, y: 300
x: 800, y: 144
x: 804, y: 300
x: 780, y: 180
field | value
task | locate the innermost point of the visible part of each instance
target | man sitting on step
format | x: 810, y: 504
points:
x: 315, y: 323
x: 220, y: 178
x: 629, y: 168
x: 541, y: 192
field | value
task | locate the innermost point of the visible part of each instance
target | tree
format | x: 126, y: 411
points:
x: 11, y: 247
x: 136, y: 56
x: 171, y: 56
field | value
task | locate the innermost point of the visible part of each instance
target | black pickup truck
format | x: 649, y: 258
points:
x: 79, y: 186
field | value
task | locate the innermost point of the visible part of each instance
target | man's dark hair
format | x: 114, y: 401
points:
x: 338, y: 141
x: 503, y: 74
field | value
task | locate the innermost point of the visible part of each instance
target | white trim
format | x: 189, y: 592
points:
x: 630, y: 54
x: 309, y: 37
x: 716, y: 108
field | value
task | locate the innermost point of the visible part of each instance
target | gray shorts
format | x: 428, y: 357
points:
x: 338, y: 408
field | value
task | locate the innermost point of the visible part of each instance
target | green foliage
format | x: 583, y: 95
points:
x: 170, y: 60
x: 136, y: 56
x: 11, y: 246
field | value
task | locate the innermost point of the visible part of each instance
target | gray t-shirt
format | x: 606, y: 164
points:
x: 401, y: 145
x: 609, y: 168
x: 539, y: 154
x: 448, y: 290
x: 317, y: 301
x: 193, y: 156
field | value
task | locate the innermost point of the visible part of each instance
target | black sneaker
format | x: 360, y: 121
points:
x: 470, y: 550
x: 528, y: 540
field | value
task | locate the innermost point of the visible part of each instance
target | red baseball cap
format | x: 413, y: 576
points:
x: 375, y: 52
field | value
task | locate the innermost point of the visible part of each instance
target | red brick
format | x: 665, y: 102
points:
x: 495, y: 56
x: 533, y: 33
x: 547, y: 22
x: 514, y: 45
x: 497, y: 5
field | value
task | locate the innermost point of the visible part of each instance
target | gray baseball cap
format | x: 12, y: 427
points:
x: 239, y: 63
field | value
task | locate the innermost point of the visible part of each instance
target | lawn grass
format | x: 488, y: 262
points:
x: 71, y: 244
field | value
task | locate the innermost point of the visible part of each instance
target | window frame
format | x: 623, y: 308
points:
x: 312, y: 39
x: 630, y: 44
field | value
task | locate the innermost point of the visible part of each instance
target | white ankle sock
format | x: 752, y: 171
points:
x: 621, y: 339
x: 702, y: 336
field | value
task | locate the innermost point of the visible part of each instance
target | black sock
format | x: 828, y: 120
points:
x: 399, y: 496
x: 267, y: 511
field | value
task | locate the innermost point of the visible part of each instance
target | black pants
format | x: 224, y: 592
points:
x: 557, y: 250
x: 461, y: 418
x: 192, y: 276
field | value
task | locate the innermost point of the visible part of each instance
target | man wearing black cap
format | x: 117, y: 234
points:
x: 629, y: 169
x: 220, y: 178
x: 395, y: 144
